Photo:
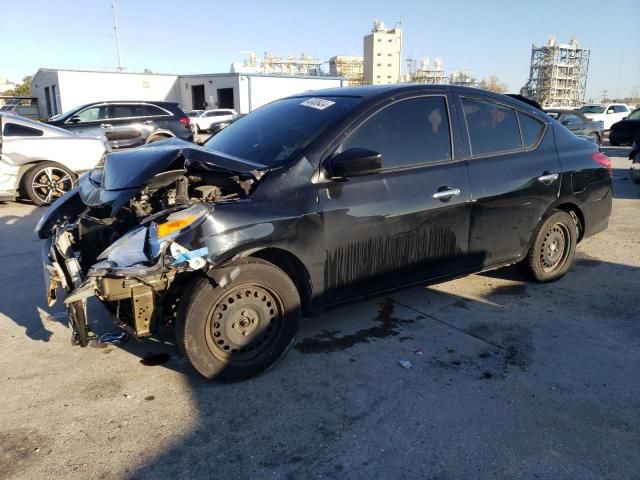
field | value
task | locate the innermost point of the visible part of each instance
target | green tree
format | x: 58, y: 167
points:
x: 22, y: 90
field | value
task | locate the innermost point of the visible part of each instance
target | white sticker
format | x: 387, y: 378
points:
x: 317, y: 103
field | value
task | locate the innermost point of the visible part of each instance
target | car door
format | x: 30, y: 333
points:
x: 92, y: 121
x: 408, y: 222
x: 514, y: 171
x: 129, y: 125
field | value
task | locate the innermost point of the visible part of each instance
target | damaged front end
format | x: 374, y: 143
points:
x: 134, y: 230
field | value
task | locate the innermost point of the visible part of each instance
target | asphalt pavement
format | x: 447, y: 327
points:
x: 507, y: 380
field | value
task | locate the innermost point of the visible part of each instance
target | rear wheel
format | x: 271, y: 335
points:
x: 236, y: 332
x: 614, y: 143
x: 553, y: 248
x: 47, y: 181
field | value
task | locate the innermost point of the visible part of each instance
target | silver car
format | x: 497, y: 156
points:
x: 41, y: 161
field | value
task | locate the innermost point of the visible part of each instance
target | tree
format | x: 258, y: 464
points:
x: 493, y: 84
x: 22, y: 90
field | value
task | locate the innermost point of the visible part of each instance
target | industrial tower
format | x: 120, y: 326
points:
x: 558, y: 74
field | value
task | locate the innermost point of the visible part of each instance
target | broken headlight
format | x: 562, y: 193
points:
x: 174, y: 225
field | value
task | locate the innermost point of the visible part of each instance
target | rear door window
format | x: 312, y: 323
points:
x: 407, y: 133
x: 532, y: 128
x: 127, y: 111
x: 492, y: 127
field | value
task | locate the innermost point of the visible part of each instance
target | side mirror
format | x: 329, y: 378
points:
x: 355, y: 162
x: 610, y: 111
x: 73, y: 120
x: 566, y: 122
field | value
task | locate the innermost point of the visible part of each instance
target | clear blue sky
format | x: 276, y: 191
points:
x: 490, y: 37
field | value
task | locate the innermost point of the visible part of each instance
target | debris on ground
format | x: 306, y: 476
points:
x: 113, y: 338
x: 418, y: 352
x: 406, y: 364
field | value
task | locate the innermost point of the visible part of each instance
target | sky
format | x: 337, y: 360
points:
x: 489, y: 37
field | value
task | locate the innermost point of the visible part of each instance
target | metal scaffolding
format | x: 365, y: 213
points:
x: 349, y: 67
x: 274, y: 65
x: 558, y: 74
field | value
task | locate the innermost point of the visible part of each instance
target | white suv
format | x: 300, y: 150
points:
x: 608, y: 114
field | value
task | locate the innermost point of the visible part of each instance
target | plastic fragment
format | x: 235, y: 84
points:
x: 114, y: 338
x: 193, y: 257
x: 418, y: 352
x: 406, y: 364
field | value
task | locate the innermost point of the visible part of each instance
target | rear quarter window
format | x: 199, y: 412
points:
x: 532, y: 128
x: 15, y: 130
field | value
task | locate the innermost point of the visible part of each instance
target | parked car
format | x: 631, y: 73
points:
x: 41, y: 161
x: 315, y: 200
x: 193, y: 113
x: 627, y: 130
x: 128, y: 124
x: 209, y: 118
x: 634, y: 156
x: 608, y: 114
x: 578, y: 123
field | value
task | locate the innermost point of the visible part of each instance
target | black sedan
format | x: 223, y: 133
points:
x: 575, y: 121
x: 626, y: 131
x: 316, y: 200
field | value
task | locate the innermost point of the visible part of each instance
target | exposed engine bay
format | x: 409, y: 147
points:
x: 129, y: 244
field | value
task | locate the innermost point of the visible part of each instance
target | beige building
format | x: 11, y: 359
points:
x: 382, y: 54
x: 349, y: 67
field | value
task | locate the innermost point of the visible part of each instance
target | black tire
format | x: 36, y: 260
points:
x: 239, y: 331
x: 634, y: 175
x: 553, y: 248
x: 614, y: 143
x: 46, y: 181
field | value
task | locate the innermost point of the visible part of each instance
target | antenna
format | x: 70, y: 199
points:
x: 115, y: 29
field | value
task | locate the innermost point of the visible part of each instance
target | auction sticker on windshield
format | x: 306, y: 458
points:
x: 317, y: 103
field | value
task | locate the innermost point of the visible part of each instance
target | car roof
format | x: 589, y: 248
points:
x: 373, y: 92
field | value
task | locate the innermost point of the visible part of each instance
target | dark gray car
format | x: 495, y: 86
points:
x: 128, y: 124
x: 575, y: 121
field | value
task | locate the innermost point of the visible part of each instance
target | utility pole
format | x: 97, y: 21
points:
x: 604, y: 95
x: 115, y: 29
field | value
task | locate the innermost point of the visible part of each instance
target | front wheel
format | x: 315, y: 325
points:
x: 236, y: 332
x: 553, y: 248
x: 47, y: 181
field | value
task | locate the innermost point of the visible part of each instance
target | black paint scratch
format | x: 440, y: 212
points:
x: 327, y: 342
x: 361, y: 260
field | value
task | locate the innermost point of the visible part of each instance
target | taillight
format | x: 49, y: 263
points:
x: 603, y: 160
x: 185, y: 121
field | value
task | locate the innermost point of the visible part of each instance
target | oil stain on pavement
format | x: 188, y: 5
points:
x: 327, y: 341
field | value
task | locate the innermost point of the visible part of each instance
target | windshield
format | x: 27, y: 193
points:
x: 592, y: 109
x: 635, y: 115
x: 274, y: 134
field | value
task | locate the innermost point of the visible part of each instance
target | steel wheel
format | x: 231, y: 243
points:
x: 554, y: 247
x: 44, y: 184
x: 244, y: 324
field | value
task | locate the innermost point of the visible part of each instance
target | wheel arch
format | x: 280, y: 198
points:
x: 161, y: 132
x: 575, y: 212
x: 293, y: 267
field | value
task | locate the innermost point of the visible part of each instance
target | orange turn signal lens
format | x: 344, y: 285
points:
x: 171, y: 226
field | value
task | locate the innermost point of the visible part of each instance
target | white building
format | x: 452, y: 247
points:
x: 61, y: 90
x: 382, y: 54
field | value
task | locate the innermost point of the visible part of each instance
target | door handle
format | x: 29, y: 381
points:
x: 447, y: 194
x: 147, y: 122
x: 105, y: 125
x: 548, y: 178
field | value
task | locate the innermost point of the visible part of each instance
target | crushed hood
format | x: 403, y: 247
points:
x: 125, y: 173
x: 133, y: 168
